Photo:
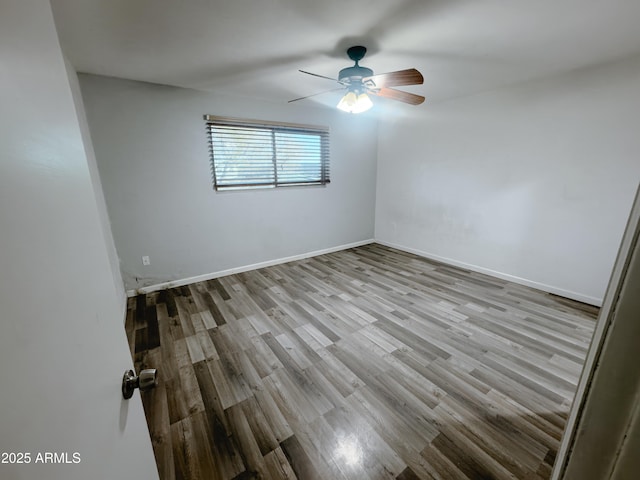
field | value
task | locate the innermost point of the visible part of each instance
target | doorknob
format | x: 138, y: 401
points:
x: 145, y: 381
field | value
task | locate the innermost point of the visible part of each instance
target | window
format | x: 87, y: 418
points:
x: 249, y: 154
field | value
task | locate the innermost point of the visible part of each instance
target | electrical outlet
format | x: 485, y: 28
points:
x: 146, y: 260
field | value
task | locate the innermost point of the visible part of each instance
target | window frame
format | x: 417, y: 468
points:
x: 274, y: 128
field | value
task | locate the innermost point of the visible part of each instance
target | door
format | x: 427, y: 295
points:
x: 603, y: 430
x: 63, y: 348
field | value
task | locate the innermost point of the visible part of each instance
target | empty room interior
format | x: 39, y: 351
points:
x: 322, y: 240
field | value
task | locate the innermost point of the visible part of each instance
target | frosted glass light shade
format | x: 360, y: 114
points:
x: 353, y: 103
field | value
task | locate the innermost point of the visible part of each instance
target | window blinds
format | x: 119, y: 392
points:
x: 248, y: 154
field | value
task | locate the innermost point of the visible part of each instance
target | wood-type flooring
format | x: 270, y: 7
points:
x: 368, y: 363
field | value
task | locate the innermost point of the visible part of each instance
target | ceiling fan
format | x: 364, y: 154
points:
x: 360, y: 81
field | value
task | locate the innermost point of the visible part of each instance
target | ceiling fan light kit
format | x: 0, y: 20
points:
x: 354, y: 102
x: 360, y: 82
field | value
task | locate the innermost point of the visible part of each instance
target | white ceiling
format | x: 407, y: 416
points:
x: 255, y: 47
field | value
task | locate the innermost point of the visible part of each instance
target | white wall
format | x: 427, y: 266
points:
x: 63, y: 347
x: 533, y: 183
x: 153, y: 158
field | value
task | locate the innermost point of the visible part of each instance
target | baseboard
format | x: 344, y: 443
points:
x: 494, y: 273
x: 245, y: 268
x: 504, y: 276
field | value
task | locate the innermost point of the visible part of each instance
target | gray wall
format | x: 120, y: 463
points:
x: 114, y: 260
x: 532, y: 183
x: 153, y: 158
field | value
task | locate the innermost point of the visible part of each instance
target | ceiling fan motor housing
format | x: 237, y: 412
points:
x: 354, y: 74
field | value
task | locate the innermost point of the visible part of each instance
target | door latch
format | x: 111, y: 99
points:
x: 145, y: 381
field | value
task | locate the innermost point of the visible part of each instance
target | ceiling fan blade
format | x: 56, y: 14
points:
x: 314, y: 94
x: 321, y: 76
x: 410, y: 76
x: 394, y: 94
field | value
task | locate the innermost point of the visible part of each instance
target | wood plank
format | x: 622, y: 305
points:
x: 298, y: 459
